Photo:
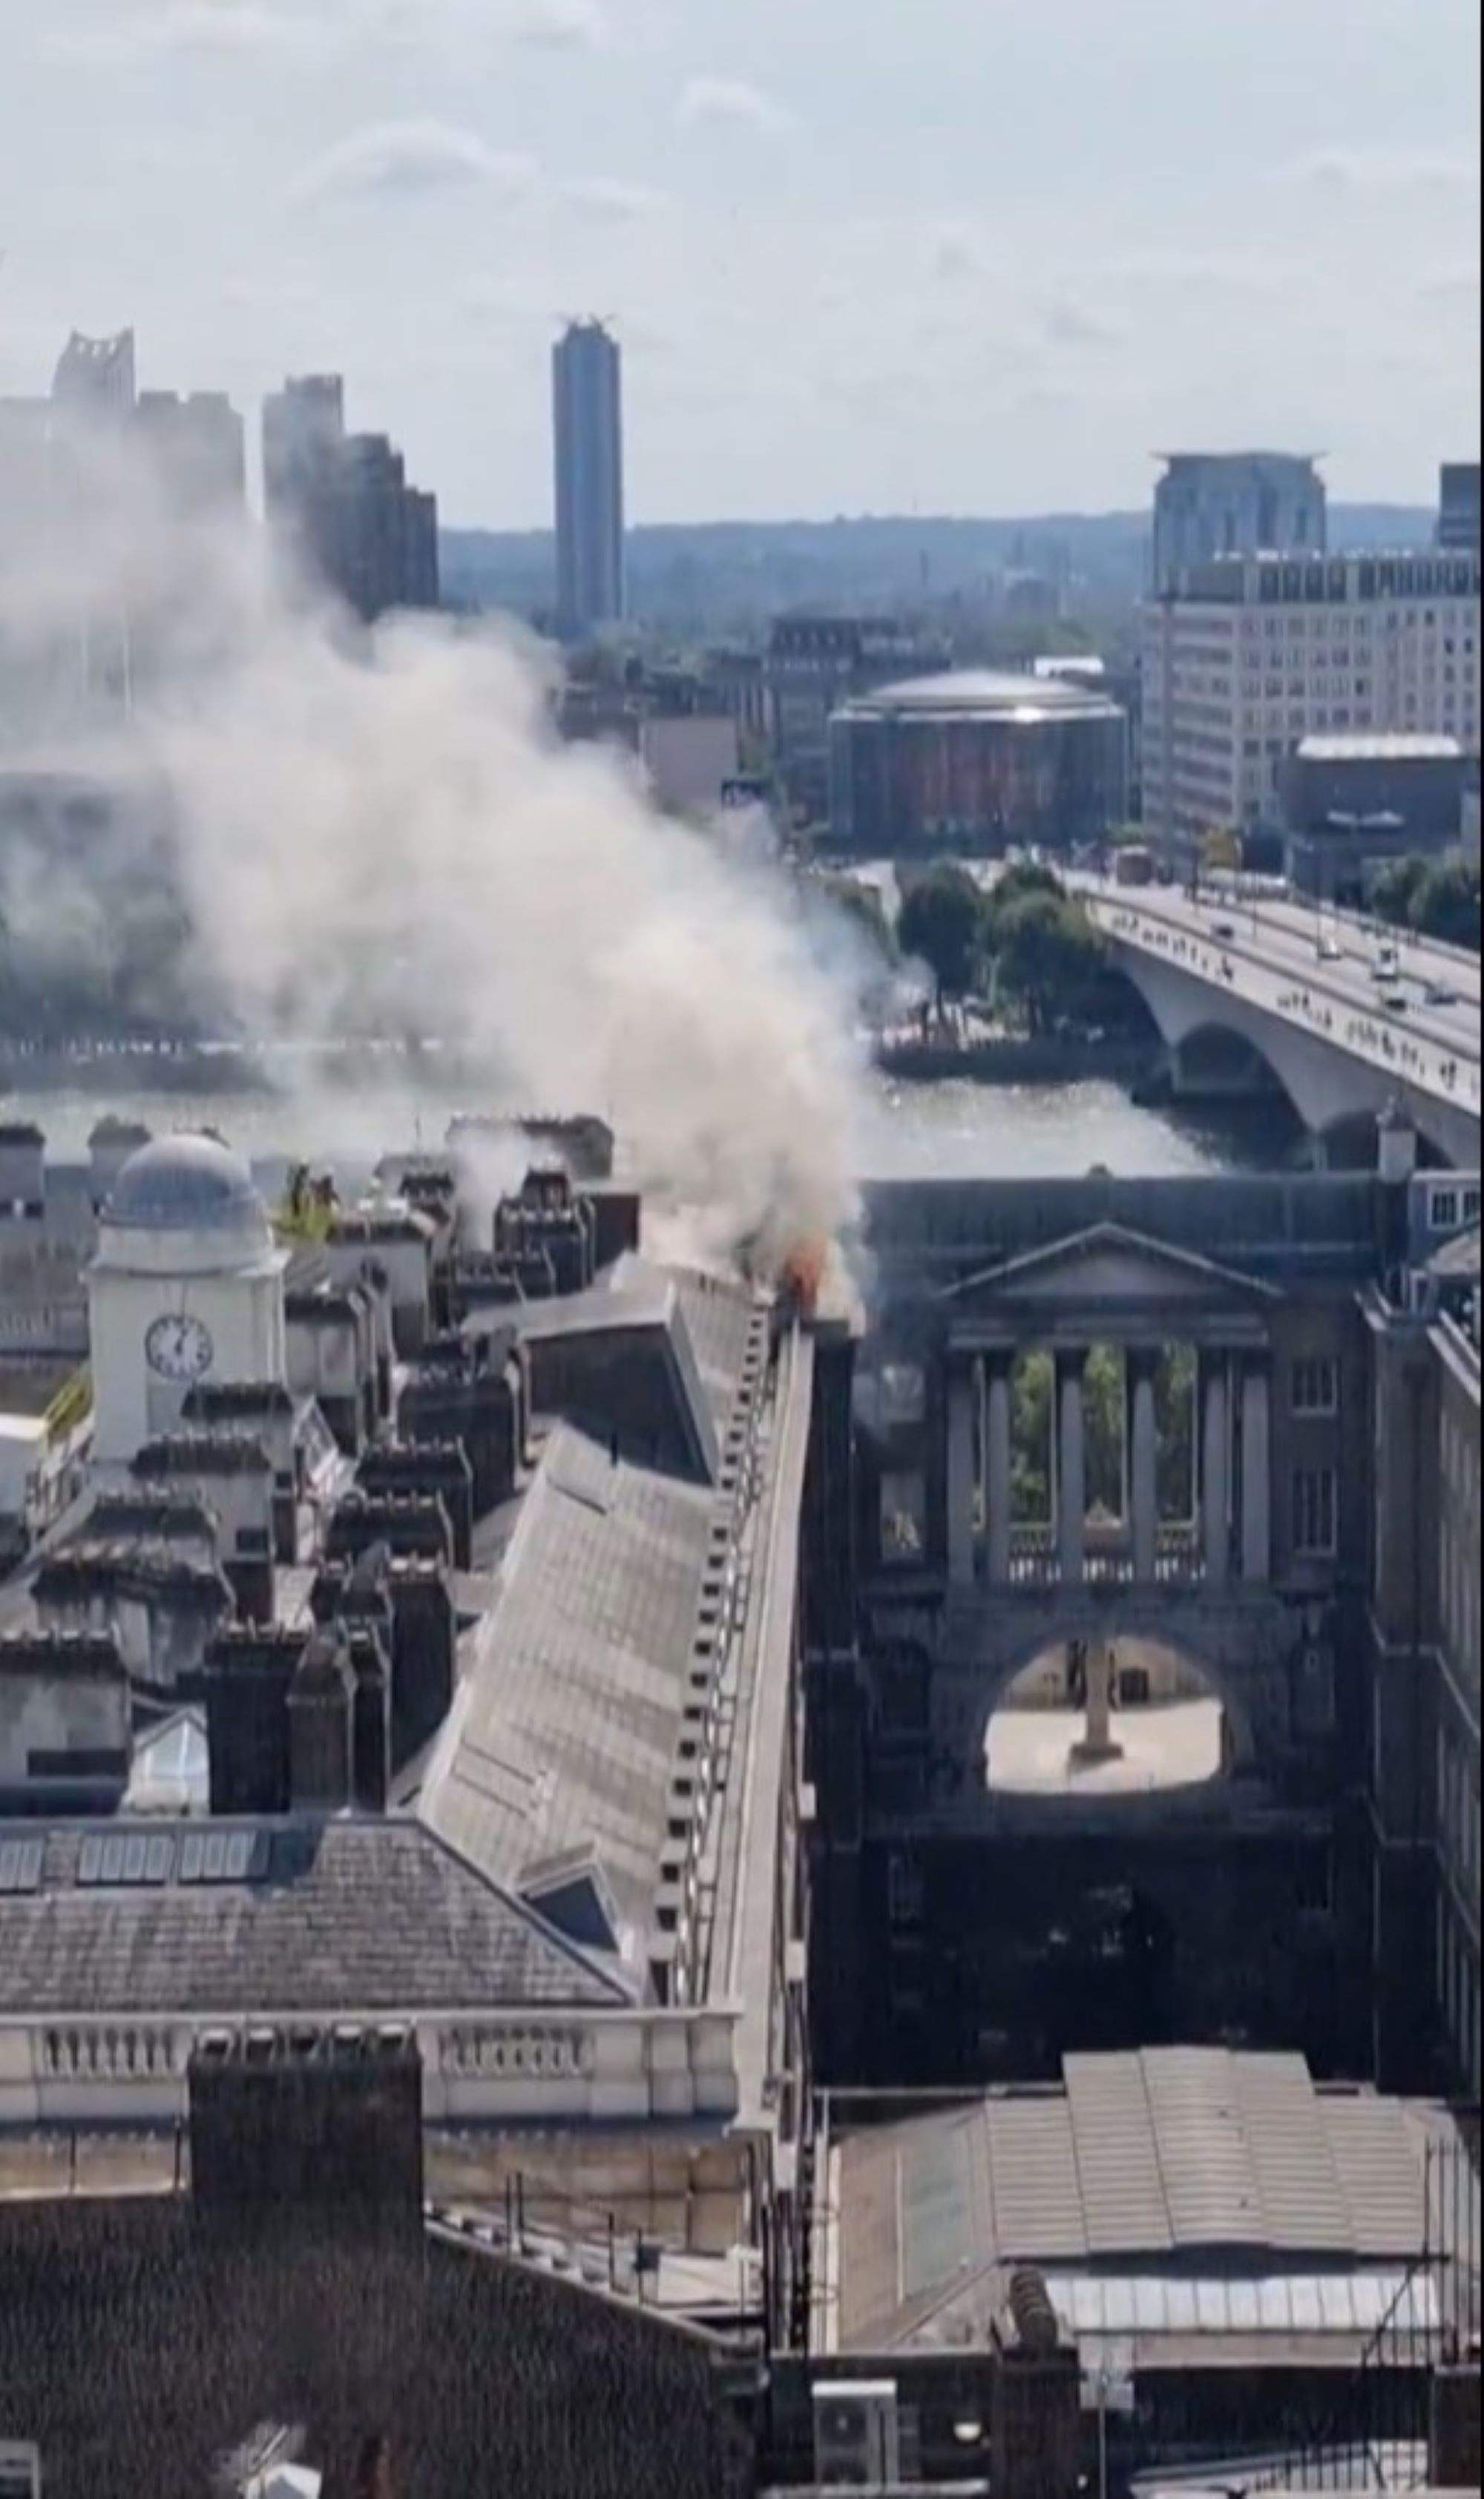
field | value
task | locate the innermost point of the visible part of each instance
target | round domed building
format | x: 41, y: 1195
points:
x: 186, y: 1285
x: 973, y: 761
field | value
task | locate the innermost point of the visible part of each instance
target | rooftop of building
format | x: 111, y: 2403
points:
x: 1379, y: 746
x: 608, y: 1648
x: 139, y: 1915
x: 1166, y: 2193
x: 188, y: 1182
x: 986, y: 692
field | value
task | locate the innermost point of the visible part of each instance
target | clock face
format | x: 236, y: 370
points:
x: 178, y: 1348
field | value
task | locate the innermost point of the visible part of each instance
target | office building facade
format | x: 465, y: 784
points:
x: 1245, y: 658
x: 94, y: 378
x: 1458, y: 505
x: 195, y: 446
x: 1233, y: 504
x: 342, y: 502
x: 587, y: 425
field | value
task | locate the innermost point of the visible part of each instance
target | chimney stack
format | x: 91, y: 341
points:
x: 321, y: 1711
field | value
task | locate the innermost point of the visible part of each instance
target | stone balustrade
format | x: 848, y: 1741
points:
x: 478, y: 2065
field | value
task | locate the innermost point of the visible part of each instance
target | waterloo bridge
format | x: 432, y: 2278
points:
x: 1299, y: 998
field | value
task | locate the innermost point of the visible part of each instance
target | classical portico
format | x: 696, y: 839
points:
x: 1139, y: 1299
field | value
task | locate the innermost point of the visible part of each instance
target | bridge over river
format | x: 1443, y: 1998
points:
x: 1307, y: 998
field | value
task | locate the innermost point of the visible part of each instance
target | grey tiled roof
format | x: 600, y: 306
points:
x: 565, y: 1730
x: 365, y: 1915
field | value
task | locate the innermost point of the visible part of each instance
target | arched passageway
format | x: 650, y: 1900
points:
x: 1126, y: 1718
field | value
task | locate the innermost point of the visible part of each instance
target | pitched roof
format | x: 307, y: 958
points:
x: 363, y: 1914
x: 566, y: 1729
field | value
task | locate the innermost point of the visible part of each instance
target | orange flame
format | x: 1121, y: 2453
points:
x: 803, y: 1273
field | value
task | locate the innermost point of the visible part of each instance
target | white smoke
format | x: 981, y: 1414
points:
x: 382, y: 834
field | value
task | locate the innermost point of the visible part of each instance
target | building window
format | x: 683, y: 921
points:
x: 1316, y: 1385
x: 1444, y: 1210
x: 1471, y: 1205
x: 1314, y: 1518
x: 903, y: 1517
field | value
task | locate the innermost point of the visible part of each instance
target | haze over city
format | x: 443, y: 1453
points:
x: 965, y: 257
x: 741, y: 1269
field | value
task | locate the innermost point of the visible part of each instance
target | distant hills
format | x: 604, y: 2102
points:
x: 731, y: 576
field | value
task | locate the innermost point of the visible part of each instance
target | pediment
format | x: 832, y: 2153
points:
x: 1107, y: 1269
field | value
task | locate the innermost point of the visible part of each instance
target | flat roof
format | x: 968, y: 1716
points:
x: 1195, y: 2163
x: 1391, y: 746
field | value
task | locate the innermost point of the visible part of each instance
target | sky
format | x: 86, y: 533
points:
x: 863, y: 255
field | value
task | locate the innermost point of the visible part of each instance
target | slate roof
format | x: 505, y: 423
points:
x: 372, y: 1915
x: 565, y: 1731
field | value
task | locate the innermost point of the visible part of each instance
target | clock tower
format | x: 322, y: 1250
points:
x: 187, y: 1285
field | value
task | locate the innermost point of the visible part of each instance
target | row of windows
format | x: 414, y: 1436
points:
x: 1314, y: 1385
x: 1315, y: 1513
x: 1448, y: 1207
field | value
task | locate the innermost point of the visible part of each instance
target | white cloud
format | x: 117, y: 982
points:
x: 612, y: 202
x: 958, y: 253
x: 409, y: 156
x: 706, y: 102
x: 557, y: 25
x: 235, y: 28
x: 1066, y: 326
x: 1345, y: 170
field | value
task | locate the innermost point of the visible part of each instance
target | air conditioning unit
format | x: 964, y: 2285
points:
x: 857, y: 2434
x: 21, y: 2474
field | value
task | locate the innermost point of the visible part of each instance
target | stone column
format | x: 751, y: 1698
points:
x: 1214, y: 1470
x: 1096, y: 1742
x: 1256, y: 1474
x: 960, y: 1474
x: 998, y: 1468
x: 1145, y: 1468
x: 1072, y: 1474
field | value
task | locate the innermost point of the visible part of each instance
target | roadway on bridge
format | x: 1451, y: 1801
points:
x: 1267, y: 953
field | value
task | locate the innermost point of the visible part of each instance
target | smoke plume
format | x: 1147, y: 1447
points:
x: 381, y: 835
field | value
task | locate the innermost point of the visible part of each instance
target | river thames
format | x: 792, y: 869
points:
x: 905, y: 1131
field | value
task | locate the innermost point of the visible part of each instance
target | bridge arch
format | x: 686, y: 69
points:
x: 1324, y: 1081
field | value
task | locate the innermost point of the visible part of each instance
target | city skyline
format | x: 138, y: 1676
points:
x: 833, y: 294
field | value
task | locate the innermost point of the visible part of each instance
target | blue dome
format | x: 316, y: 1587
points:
x: 188, y: 1184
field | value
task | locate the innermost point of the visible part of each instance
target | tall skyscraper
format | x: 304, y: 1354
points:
x: 195, y: 446
x: 344, y: 503
x: 1458, y: 505
x: 587, y: 401
x: 1212, y: 503
x: 94, y: 378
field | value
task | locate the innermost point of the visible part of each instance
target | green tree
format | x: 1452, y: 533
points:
x: 1048, y: 957
x: 1175, y: 1385
x: 942, y: 921
x: 1445, y: 903
x: 1103, y: 1391
x: 1396, y: 890
x: 1032, y: 1385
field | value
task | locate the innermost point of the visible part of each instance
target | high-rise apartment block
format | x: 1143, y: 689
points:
x: 94, y: 378
x: 343, y: 502
x: 1235, y: 502
x: 1245, y: 657
x: 195, y: 447
x: 586, y: 407
x: 1458, y: 505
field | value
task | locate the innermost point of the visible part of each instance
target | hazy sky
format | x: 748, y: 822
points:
x: 972, y: 255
